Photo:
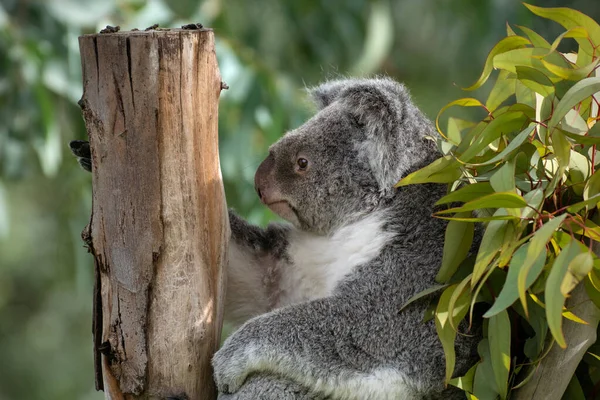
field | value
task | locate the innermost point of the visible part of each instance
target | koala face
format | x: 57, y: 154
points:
x: 344, y: 162
x: 314, y: 177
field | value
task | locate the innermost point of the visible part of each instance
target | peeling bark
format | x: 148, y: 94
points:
x: 159, y: 225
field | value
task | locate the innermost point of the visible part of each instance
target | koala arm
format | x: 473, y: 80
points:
x: 336, y: 347
x: 270, y: 387
x: 252, y: 273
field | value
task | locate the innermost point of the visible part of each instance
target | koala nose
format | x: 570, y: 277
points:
x: 261, y: 178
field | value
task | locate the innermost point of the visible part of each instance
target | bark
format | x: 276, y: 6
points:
x: 159, y: 226
x: 552, y: 376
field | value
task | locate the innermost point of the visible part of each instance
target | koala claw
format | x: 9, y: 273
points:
x: 232, y: 363
x: 81, y: 150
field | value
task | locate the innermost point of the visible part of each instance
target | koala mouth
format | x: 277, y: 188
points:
x: 284, y: 210
x: 280, y: 207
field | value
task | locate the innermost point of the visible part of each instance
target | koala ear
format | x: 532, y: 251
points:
x: 395, y: 129
x: 326, y: 93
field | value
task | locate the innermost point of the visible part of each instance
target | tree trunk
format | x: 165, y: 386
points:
x: 553, y: 374
x: 159, y: 226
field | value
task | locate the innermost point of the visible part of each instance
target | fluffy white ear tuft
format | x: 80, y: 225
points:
x: 394, y: 127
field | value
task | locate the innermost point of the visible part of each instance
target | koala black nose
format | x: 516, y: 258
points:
x: 262, y: 179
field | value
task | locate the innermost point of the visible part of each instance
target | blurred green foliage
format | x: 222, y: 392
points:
x: 268, y: 52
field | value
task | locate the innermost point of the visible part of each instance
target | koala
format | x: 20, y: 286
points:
x: 319, y: 298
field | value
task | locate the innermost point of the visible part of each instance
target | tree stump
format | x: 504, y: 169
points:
x: 159, y: 227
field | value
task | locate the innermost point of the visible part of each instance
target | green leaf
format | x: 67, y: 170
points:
x: 537, y: 319
x: 465, y: 382
x: 534, y: 201
x: 467, y: 193
x: 537, y: 245
x: 577, y: 271
x: 502, y: 125
x: 480, y: 219
x: 424, y: 293
x: 527, y: 57
x: 535, y: 80
x: 574, y: 123
x: 582, y: 139
x: 562, y: 149
x: 592, y: 291
x: 508, y: 43
x: 578, y: 206
x: 513, y: 145
x: 579, y: 172
x: 499, y: 339
x: 546, y: 107
x: 510, y: 292
x: 484, y: 384
x: 465, y: 102
x: 509, y: 32
x: 592, y: 187
x: 569, y: 18
x: 491, y: 243
x: 457, y: 243
x: 503, y: 180
x: 503, y: 88
x: 536, y: 39
x: 555, y: 300
x: 494, y: 200
x: 581, y: 90
x: 572, y: 74
x: 525, y: 95
x: 456, y: 295
x: 576, y: 32
x: 442, y: 170
x: 445, y: 332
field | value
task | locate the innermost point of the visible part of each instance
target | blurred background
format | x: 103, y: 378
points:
x: 268, y: 51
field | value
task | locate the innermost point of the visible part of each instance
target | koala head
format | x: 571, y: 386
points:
x: 345, y: 161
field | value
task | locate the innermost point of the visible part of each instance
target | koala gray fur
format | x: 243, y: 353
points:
x: 321, y: 297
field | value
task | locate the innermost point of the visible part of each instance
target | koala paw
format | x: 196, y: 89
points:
x: 81, y: 150
x: 235, y: 361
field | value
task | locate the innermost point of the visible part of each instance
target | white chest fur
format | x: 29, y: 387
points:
x: 319, y: 263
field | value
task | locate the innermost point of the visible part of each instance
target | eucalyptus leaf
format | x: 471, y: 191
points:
x: 457, y: 243
x: 446, y: 333
x: 555, y: 300
x: 464, y: 102
x: 499, y: 332
x: 503, y: 180
x: 569, y: 18
x: 513, y: 145
x: 494, y: 200
x: 491, y: 243
x: 484, y: 383
x: 574, y: 96
x: 502, y: 125
x: 510, y: 291
x: 535, y: 80
x: 508, y: 43
x: 442, y: 170
x: 504, y: 87
x: 536, y: 39
x: 467, y: 193
x: 572, y: 74
x: 537, y: 246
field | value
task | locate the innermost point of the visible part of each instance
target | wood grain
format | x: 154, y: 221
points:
x: 159, y: 226
x: 554, y: 372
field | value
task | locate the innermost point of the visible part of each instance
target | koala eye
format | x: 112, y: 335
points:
x: 302, y: 163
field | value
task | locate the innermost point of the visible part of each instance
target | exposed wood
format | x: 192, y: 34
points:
x: 554, y: 372
x: 159, y: 226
